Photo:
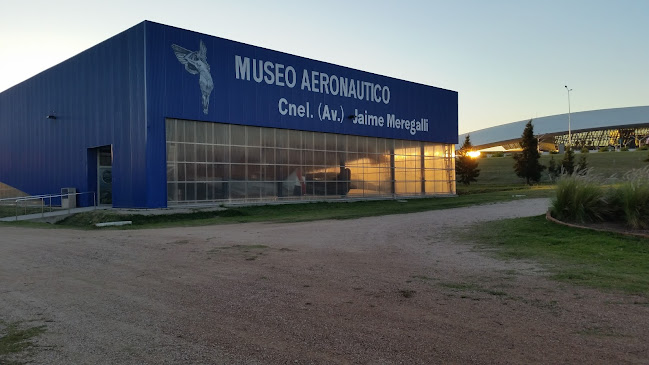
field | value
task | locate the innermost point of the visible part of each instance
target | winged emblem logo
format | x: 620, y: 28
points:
x: 195, y: 63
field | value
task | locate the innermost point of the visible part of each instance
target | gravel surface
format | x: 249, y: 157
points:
x: 400, y: 289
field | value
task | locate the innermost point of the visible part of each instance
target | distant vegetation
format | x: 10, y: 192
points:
x: 500, y: 171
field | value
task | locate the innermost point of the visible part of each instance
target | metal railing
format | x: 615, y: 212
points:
x: 46, y: 202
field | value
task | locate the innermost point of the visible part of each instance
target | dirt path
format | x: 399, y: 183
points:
x: 383, y: 290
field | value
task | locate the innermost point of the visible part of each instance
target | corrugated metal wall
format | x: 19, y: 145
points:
x: 98, y: 98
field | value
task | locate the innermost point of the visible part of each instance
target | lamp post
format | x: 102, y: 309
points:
x: 569, y: 133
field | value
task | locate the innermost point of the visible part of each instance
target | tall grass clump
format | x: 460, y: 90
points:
x: 632, y: 198
x: 580, y: 198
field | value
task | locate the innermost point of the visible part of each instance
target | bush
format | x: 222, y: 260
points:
x: 603, y: 149
x: 643, y: 148
x: 632, y: 196
x: 624, y: 149
x: 498, y: 154
x: 580, y: 199
x: 584, y: 150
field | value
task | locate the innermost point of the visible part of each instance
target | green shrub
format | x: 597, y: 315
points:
x: 603, y: 149
x: 584, y: 150
x: 580, y: 198
x: 498, y: 154
x: 632, y: 198
x: 624, y: 149
x: 643, y: 148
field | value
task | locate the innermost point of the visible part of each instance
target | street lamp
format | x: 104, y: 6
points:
x: 569, y: 133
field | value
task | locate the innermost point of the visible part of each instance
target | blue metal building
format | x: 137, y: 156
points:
x: 158, y: 115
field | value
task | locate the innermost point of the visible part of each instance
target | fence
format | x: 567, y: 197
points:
x: 46, y: 203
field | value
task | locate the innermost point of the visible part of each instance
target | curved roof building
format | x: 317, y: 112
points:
x: 595, y: 128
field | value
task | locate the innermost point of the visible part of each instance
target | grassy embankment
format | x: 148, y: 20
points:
x: 599, y: 260
x: 576, y: 256
x: 500, y: 171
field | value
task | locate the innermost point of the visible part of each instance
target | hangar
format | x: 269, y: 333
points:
x: 615, y: 128
x: 157, y: 116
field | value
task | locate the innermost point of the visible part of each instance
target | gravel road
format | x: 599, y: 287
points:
x: 400, y: 289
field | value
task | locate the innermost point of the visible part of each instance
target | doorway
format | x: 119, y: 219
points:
x: 105, y: 175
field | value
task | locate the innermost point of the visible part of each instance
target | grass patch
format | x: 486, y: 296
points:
x: 287, y: 213
x: 606, y: 261
x: 16, y: 340
x: 500, y: 171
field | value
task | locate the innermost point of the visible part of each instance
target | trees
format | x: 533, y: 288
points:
x: 568, y: 162
x: 527, y: 163
x: 554, y: 169
x: 582, y: 164
x: 466, y: 167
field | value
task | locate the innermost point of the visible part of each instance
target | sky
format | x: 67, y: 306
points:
x: 508, y: 59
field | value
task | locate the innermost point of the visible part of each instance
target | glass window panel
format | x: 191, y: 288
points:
x: 237, y: 190
x: 170, y: 129
x: 190, y: 132
x: 238, y: 135
x: 180, y: 152
x: 330, y: 142
x: 180, y: 131
x: 353, y: 158
x: 253, y: 136
x: 371, y: 145
x: 171, y: 192
x: 190, y: 152
x: 182, y: 176
x: 268, y: 173
x: 307, y: 157
x: 281, y: 138
x: 352, y: 143
x: 253, y: 154
x: 171, y: 151
x: 220, y: 190
x: 210, y: 191
x: 221, y: 154
x: 295, y: 139
x: 238, y: 154
x: 307, y: 140
x: 281, y: 156
x: 254, y: 172
x: 319, y: 158
x: 268, y: 155
x: 201, y: 131
x: 238, y: 172
x: 221, y: 172
x: 268, y: 137
x: 201, y: 171
x: 282, y: 172
x: 190, y: 172
x: 209, y: 133
x: 222, y: 133
x: 201, y: 153
x: 295, y: 157
x: 201, y: 191
x: 268, y: 189
x: 341, y: 142
x: 319, y: 141
x: 190, y: 191
x: 172, y: 172
x: 253, y: 190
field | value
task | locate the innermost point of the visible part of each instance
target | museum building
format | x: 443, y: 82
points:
x: 158, y: 116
